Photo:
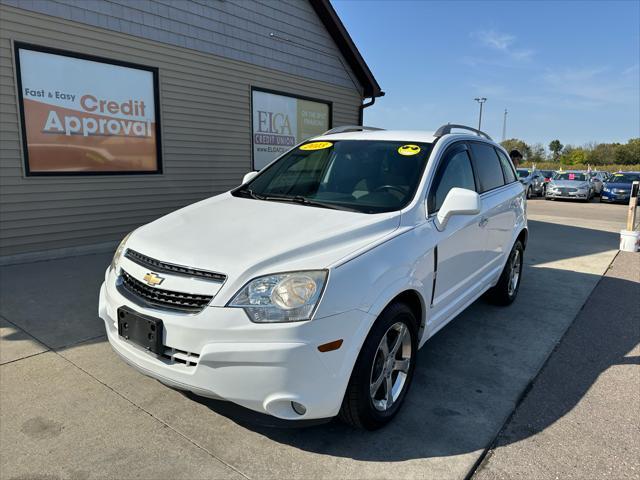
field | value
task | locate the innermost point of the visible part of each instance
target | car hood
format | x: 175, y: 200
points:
x: 570, y: 183
x: 241, y: 236
x: 621, y: 186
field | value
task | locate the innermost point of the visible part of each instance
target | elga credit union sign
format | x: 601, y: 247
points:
x: 84, y: 115
x: 281, y: 121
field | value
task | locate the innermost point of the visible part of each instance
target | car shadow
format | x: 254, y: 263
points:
x: 469, y: 377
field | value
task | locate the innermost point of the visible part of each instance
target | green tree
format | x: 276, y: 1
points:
x: 577, y: 156
x: 556, y: 147
x: 538, y: 153
x: 628, y: 153
x: 602, y: 153
x: 517, y: 144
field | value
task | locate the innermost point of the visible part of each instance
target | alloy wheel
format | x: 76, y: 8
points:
x: 390, y: 367
x: 515, y: 267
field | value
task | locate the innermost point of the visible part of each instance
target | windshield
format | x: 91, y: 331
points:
x: 523, y: 173
x: 367, y: 176
x: 624, y: 178
x: 577, y: 176
x: 546, y: 173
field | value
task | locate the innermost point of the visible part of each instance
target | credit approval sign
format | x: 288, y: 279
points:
x: 83, y: 115
x: 281, y: 121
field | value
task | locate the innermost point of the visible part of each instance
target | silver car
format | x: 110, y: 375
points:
x: 533, y: 182
x: 598, y: 179
x: 574, y: 185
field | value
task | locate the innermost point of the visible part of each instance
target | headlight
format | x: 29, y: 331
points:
x: 605, y: 189
x: 281, y: 297
x: 119, y: 251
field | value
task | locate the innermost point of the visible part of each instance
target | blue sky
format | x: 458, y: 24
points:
x: 567, y: 70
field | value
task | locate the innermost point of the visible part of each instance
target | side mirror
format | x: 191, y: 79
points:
x: 459, y: 201
x: 248, y: 177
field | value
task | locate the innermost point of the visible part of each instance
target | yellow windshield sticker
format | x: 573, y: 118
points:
x: 408, y: 150
x: 618, y: 175
x: 316, y: 146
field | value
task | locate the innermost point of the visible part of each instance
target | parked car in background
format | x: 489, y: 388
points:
x: 547, y: 174
x: 306, y: 292
x: 597, y: 180
x: 618, y: 187
x: 573, y: 185
x: 533, y: 182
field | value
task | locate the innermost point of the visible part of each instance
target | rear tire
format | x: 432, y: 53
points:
x: 506, y: 290
x: 528, y: 193
x: 370, y: 407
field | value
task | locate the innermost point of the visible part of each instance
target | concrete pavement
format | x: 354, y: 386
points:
x: 580, y: 420
x: 59, y: 375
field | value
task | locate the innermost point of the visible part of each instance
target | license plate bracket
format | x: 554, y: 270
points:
x: 141, y: 330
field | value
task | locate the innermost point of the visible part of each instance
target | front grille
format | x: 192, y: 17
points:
x: 174, y: 355
x: 145, y: 295
x: 159, y: 266
x: 565, y: 190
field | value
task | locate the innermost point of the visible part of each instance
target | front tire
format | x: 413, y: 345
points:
x: 506, y: 290
x: 384, y: 369
x: 528, y: 193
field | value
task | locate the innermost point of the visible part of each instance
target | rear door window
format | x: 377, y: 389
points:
x: 487, y: 166
x: 507, y: 167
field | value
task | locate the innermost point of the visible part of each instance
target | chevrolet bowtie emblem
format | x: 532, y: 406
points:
x: 153, y: 279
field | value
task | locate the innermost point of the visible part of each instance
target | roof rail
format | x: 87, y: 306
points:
x: 350, y: 128
x: 445, y: 129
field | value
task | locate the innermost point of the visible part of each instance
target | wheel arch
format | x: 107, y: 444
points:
x: 416, y: 303
x: 523, y: 236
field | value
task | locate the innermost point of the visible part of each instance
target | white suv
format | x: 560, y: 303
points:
x: 306, y: 292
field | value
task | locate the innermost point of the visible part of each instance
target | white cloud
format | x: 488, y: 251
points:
x: 597, y: 86
x: 493, y: 39
x: 502, y: 42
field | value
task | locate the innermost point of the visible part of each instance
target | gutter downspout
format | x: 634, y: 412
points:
x: 365, y: 105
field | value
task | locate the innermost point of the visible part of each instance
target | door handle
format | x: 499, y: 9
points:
x: 483, y: 222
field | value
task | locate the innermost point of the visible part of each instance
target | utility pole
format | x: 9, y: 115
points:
x: 504, y: 126
x: 480, y: 100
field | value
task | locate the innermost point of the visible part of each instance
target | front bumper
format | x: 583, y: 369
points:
x: 568, y: 195
x: 263, y: 367
x: 615, y: 197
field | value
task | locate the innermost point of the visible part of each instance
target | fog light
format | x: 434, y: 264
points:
x: 298, y: 408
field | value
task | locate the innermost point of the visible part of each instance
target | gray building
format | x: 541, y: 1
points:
x: 116, y: 112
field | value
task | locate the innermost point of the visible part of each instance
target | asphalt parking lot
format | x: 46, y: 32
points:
x: 69, y: 408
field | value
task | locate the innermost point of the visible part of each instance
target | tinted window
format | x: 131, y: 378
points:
x: 368, y: 176
x: 487, y: 166
x: 507, y: 167
x: 625, y: 178
x: 574, y: 176
x: 455, y: 171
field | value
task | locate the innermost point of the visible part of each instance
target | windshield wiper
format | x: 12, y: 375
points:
x: 247, y: 192
x: 250, y: 193
x: 307, y: 201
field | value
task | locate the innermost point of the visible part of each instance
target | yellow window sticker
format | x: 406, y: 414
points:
x: 408, y: 150
x: 316, y: 146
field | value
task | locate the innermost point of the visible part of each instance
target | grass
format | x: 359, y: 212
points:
x: 580, y: 166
